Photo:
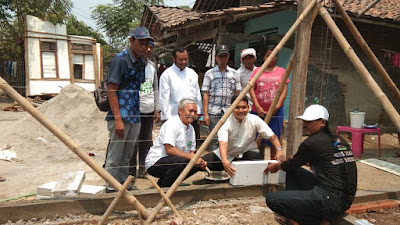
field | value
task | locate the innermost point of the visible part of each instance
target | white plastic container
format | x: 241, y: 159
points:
x: 357, y: 119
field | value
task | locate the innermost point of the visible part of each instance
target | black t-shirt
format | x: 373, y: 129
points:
x: 331, y: 161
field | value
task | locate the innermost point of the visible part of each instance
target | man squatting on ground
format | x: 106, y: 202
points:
x: 236, y: 139
x: 329, y: 189
x: 149, y: 113
x: 175, y: 146
x: 123, y: 120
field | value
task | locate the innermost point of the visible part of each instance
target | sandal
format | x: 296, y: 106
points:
x: 2, y: 179
x: 396, y: 154
x: 282, y: 220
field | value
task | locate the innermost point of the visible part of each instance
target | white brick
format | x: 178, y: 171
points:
x: 252, y: 173
x: 45, y: 189
x: 91, y: 189
x: 69, y: 184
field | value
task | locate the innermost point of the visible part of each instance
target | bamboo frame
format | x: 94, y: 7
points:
x: 111, y: 207
x: 367, y: 77
x: 70, y: 144
x: 200, y: 151
x: 367, y: 50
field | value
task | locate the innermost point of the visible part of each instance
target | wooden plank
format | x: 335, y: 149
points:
x: 299, y: 80
x: 71, y: 63
x: 96, y: 66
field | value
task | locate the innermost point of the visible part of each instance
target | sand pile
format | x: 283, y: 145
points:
x: 73, y: 111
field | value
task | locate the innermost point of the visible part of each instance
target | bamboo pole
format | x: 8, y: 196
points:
x: 69, y: 143
x: 121, y: 192
x: 367, y: 50
x: 163, y: 195
x: 200, y: 151
x: 368, y: 79
x: 277, y: 96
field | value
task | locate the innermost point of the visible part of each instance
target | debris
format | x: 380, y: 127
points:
x: 7, y: 153
x: 69, y: 184
x: 42, y: 139
x: 258, y: 209
x: 177, y: 221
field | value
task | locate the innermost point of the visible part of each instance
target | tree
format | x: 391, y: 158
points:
x: 76, y: 27
x: 12, y: 19
x: 119, y: 18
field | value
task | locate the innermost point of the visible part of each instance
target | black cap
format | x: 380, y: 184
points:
x: 221, y: 49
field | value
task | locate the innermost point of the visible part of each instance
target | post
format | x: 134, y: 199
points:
x: 200, y: 151
x: 367, y: 50
x: 368, y: 79
x: 69, y: 143
x: 299, y: 80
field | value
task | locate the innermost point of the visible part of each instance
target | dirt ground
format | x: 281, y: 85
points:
x: 41, y: 158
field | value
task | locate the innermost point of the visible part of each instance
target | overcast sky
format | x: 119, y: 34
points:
x: 83, y: 8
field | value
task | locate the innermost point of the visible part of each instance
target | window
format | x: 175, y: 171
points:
x: 49, y: 59
x: 78, y: 62
x: 82, y: 61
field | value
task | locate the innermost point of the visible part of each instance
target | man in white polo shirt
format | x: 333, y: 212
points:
x: 175, y: 146
x: 237, y: 139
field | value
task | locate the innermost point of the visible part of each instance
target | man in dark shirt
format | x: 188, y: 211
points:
x: 329, y: 189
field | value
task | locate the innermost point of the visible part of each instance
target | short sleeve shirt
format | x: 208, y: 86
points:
x: 175, y: 133
x: 266, y: 86
x: 122, y: 67
x: 221, y: 87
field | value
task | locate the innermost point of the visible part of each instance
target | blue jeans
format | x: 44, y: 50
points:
x: 306, y: 202
x: 213, y: 122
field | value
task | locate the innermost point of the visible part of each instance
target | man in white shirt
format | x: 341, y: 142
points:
x: 175, y: 146
x: 149, y: 113
x: 237, y: 139
x: 247, y: 58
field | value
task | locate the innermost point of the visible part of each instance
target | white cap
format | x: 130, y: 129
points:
x: 314, y: 112
x: 248, y: 51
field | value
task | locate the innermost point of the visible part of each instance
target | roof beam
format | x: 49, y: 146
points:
x: 368, y: 7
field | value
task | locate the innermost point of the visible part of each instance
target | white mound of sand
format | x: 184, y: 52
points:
x: 73, y: 111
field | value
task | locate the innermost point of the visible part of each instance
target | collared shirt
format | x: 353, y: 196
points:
x: 176, y: 85
x: 221, y: 86
x: 175, y: 133
x: 122, y: 66
x: 244, y: 75
x: 241, y: 136
x: 149, y: 97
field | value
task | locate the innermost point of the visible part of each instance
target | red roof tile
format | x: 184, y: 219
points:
x: 385, y: 9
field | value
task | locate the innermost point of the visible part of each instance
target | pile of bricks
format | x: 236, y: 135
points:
x: 372, y: 206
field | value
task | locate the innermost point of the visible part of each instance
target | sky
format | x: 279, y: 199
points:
x: 83, y: 8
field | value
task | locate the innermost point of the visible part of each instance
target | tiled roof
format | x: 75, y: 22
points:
x: 385, y: 9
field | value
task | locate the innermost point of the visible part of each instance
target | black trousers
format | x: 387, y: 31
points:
x: 169, y: 168
x: 306, y: 202
x: 214, y: 163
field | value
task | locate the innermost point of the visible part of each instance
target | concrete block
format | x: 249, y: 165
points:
x: 69, y: 184
x: 252, y: 173
x: 45, y: 189
x: 91, y: 189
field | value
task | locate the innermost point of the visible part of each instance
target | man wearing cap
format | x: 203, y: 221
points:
x: 247, y: 59
x: 123, y: 120
x: 149, y: 113
x: 329, y: 189
x: 219, y: 85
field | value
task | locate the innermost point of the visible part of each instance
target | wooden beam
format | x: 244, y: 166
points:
x: 95, y: 66
x: 70, y: 62
x: 26, y: 49
x: 367, y: 77
x: 299, y: 80
x: 367, y: 50
x: 368, y: 7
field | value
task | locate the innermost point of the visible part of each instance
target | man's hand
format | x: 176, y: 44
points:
x: 119, y: 128
x: 157, y: 117
x: 261, y: 112
x: 228, y: 168
x: 280, y: 156
x: 201, y: 163
x: 273, y: 168
x: 206, y: 119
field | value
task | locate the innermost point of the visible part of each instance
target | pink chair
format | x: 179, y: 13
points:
x: 357, y: 138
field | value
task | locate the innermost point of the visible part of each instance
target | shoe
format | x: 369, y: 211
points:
x: 110, y: 190
x: 283, y: 220
x: 2, y: 179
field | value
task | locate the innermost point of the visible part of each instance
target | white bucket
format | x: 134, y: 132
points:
x: 357, y: 119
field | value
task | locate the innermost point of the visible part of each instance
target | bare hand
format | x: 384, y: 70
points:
x: 272, y: 167
x: 261, y: 112
x: 157, y: 117
x: 228, y: 168
x: 280, y: 156
x: 206, y: 120
x: 201, y: 163
x: 119, y: 128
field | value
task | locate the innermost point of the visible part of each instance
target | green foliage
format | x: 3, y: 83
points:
x: 119, y: 18
x: 76, y: 27
x: 12, y: 19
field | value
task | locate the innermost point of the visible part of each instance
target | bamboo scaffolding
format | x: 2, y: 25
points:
x: 367, y: 50
x: 70, y: 144
x: 200, y: 151
x: 121, y: 192
x: 367, y: 77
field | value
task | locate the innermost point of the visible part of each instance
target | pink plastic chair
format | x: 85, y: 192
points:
x: 357, y: 138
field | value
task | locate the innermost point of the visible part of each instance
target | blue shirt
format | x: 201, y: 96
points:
x: 123, y: 66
